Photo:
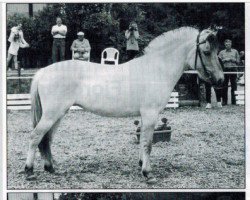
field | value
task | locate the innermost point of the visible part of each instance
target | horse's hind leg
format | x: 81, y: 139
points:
x: 45, y: 148
x: 149, y: 119
x: 44, y: 125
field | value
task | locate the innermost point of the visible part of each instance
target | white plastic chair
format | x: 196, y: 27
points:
x: 73, y: 52
x: 110, y: 55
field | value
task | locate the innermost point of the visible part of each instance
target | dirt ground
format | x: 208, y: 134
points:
x: 206, y: 150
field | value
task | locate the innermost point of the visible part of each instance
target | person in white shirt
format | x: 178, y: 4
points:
x: 81, y: 47
x: 16, y: 40
x: 59, y: 32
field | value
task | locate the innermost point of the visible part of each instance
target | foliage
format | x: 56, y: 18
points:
x: 152, y: 196
x: 104, y: 25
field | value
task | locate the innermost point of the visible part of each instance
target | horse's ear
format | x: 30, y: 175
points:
x: 215, y: 32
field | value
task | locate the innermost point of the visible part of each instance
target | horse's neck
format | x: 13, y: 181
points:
x: 172, y: 61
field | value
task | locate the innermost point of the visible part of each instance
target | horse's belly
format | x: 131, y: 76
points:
x: 109, y: 100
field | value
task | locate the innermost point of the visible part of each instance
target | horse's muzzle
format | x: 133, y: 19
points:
x: 218, y: 83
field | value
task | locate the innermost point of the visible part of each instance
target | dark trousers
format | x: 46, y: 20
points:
x: 58, y: 50
x: 131, y: 54
x: 233, y: 80
x: 218, y: 93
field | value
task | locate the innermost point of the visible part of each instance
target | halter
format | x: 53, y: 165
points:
x: 198, y: 53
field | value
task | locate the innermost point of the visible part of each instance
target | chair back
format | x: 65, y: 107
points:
x: 110, y: 55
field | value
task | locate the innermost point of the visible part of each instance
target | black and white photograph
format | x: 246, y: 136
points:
x: 125, y: 96
x: 130, y: 196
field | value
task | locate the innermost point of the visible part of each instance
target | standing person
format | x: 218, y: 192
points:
x: 132, y: 35
x: 16, y: 40
x: 81, y: 47
x: 59, y: 32
x: 230, y: 59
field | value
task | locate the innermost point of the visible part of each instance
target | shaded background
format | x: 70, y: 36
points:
x: 154, y: 196
x: 104, y: 24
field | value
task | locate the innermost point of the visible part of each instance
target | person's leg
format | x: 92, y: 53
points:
x: 208, y: 95
x: 233, y: 80
x: 9, y: 57
x: 218, y: 94
x: 208, y: 92
x: 76, y: 55
x: 85, y: 56
x: 134, y: 53
x: 225, y: 90
x: 54, y: 52
x: 62, y: 50
x: 129, y: 55
x: 15, y: 62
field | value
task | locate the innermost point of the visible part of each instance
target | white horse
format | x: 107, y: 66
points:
x: 139, y: 87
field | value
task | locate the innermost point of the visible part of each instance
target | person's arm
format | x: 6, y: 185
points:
x: 237, y: 57
x: 220, y: 56
x: 12, y: 34
x: 25, y: 44
x: 53, y: 31
x: 136, y: 34
x: 64, y: 31
x: 73, y: 48
x: 127, y: 34
x: 11, y: 37
x: 88, y: 47
x: 223, y: 59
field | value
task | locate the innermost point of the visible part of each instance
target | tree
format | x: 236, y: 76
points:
x: 104, y: 25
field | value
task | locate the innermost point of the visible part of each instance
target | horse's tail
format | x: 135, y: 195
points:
x: 36, y: 111
x: 36, y: 107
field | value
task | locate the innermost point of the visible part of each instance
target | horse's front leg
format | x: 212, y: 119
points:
x: 149, y: 120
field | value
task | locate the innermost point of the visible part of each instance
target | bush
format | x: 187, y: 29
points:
x: 104, y: 25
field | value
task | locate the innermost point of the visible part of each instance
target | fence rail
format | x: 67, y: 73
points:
x: 31, y: 74
x: 23, y: 102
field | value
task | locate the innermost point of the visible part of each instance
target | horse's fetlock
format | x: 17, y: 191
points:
x: 140, y: 163
x: 49, y: 168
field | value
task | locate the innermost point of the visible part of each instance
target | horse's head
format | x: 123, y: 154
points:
x: 205, y: 58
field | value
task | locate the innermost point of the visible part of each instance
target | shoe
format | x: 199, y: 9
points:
x: 208, y: 106
x: 219, y: 105
x: 241, y: 81
x: 9, y: 69
x: 22, y: 68
x: 224, y: 103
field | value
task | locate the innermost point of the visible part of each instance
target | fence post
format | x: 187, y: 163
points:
x: 19, y: 74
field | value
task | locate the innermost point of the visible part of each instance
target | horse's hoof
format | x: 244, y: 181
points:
x: 140, y: 163
x: 49, y: 169
x: 145, y: 174
x: 151, y: 180
x: 31, y: 178
x: 29, y: 170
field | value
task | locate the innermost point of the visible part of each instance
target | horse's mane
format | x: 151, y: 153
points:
x: 166, y: 38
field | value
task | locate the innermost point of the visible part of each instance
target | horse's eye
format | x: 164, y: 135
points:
x: 211, y: 38
x: 207, y: 53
